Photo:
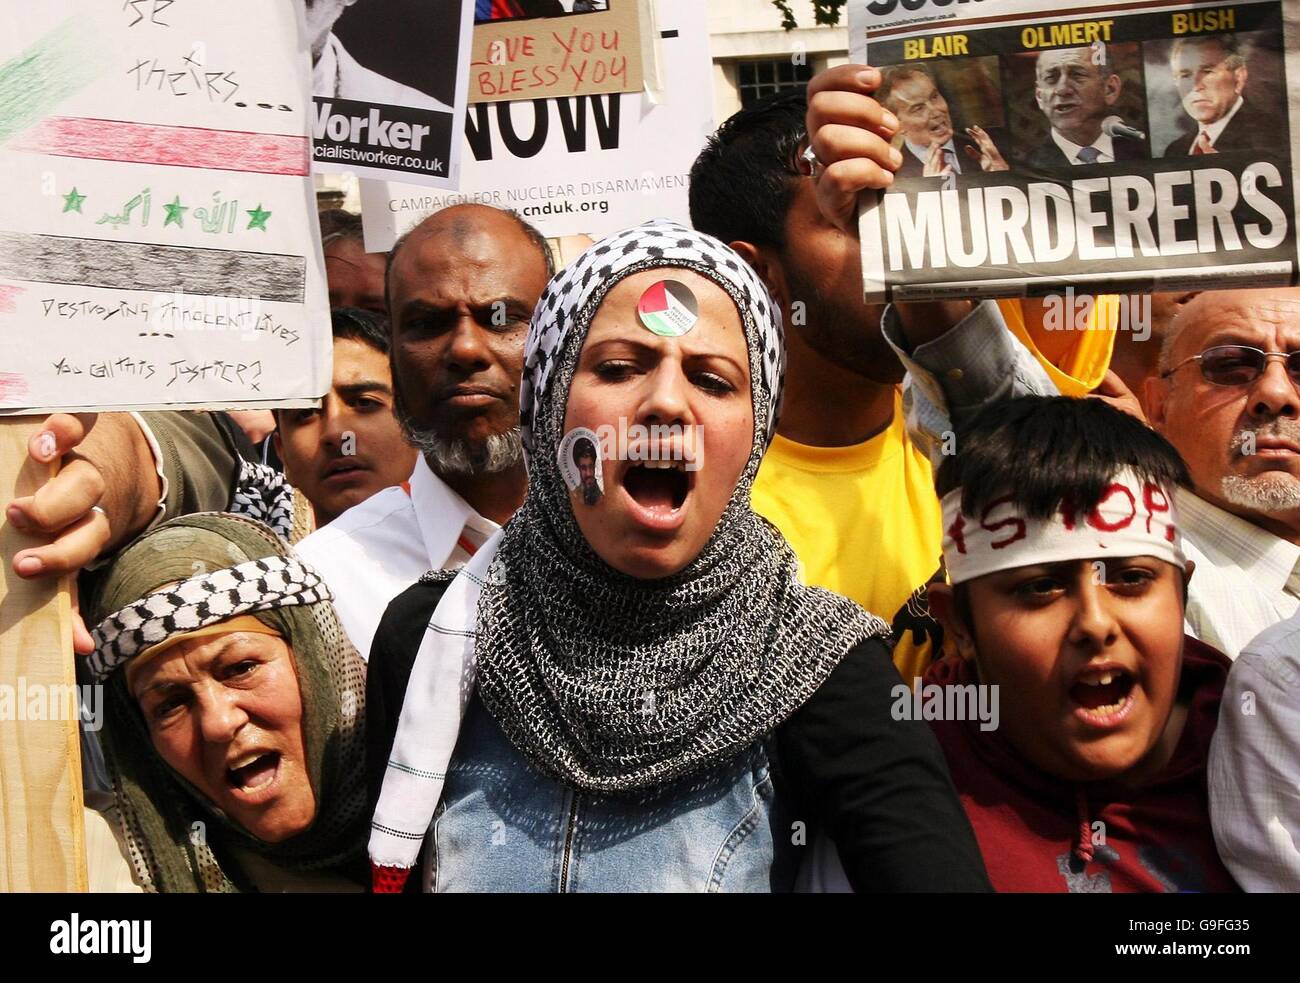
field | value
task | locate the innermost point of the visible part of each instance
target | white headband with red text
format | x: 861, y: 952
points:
x: 1135, y: 517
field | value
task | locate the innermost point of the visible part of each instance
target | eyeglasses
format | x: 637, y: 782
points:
x: 1237, y: 365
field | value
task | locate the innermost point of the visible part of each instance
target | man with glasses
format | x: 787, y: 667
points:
x: 1226, y: 398
x: 1234, y: 415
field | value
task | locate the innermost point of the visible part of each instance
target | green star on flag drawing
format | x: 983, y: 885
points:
x: 175, y: 213
x: 257, y: 218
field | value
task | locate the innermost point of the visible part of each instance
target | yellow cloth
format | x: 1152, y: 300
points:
x: 1084, y: 364
x: 863, y: 520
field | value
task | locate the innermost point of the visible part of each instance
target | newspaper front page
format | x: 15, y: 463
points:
x: 1109, y: 146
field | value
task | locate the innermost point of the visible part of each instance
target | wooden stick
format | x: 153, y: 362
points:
x: 42, y: 839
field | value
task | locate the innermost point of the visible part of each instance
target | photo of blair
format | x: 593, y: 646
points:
x: 1215, y: 93
x: 933, y: 144
x: 1087, y: 106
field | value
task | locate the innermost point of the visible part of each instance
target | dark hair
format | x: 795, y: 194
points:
x: 1046, y: 450
x: 366, y: 327
x: 744, y: 179
x: 531, y: 231
x: 583, y: 447
x: 336, y: 224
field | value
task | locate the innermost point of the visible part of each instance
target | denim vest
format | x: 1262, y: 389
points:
x: 505, y: 826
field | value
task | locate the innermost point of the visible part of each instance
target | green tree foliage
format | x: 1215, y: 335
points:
x: 825, y: 12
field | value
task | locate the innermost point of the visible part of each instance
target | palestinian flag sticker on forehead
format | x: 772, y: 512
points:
x: 669, y: 309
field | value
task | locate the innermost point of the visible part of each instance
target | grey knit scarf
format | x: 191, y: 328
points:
x: 610, y: 683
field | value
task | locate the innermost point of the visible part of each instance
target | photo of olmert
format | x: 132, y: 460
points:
x: 1079, y: 93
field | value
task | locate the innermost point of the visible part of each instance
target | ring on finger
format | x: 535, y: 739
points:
x: 813, y: 162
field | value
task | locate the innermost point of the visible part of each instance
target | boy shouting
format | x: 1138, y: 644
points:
x: 1066, y: 590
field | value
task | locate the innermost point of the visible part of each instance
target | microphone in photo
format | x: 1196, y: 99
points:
x: 1113, y: 127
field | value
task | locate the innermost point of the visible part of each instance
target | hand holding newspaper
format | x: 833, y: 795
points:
x: 1142, y: 147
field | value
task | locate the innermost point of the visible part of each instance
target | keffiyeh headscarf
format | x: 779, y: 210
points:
x: 191, y: 573
x: 606, y: 682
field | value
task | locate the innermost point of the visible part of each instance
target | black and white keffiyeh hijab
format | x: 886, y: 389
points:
x: 606, y: 682
x: 190, y: 573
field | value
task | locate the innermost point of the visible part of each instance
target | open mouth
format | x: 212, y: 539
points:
x: 1103, y: 695
x: 657, y: 492
x: 659, y: 487
x: 255, y: 772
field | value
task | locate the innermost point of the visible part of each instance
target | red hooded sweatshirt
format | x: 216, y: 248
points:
x: 1037, y: 832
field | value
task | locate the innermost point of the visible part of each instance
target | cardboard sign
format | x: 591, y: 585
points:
x: 574, y: 55
x: 159, y: 244
x: 585, y: 165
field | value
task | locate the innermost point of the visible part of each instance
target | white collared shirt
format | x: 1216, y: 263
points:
x: 1245, y: 580
x: 923, y: 153
x: 325, y: 73
x: 1254, y: 769
x: 377, y: 549
x: 1104, y: 144
x: 1215, y: 130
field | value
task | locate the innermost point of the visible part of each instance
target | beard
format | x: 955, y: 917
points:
x: 1272, y: 491
x: 455, y: 455
x: 849, y: 338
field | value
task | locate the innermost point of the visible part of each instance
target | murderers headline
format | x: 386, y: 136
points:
x: 1195, y: 210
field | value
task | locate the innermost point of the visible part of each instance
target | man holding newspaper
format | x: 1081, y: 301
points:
x: 1226, y: 394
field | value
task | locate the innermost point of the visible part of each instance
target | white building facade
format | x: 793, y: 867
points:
x: 754, y: 56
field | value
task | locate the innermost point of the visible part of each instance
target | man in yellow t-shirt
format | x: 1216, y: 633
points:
x: 843, y: 481
x: 863, y: 520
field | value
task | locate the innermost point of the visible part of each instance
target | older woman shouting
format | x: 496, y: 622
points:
x: 235, y: 725
x: 640, y: 694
